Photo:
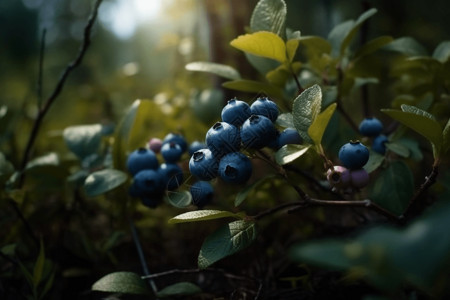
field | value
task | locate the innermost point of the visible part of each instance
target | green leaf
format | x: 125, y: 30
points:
x: 179, y: 289
x: 446, y: 137
x: 337, y: 36
x: 320, y: 123
x: 373, y: 45
x: 417, y: 111
x: 291, y: 48
x: 39, y: 266
x: 254, y: 87
x: 6, y: 168
x: 83, y: 140
x: 103, y: 181
x: 305, y: 110
x: 262, y: 43
x: 269, y: 15
x: 180, y: 199
x: 442, y: 52
x: 421, y: 122
x: 227, y: 240
x: 285, y: 120
x: 398, y: 149
x: 351, y: 34
x: 242, y: 195
x: 203, y: 215
x: 375, y: 160
x: 121, y: 135
x: 215, y: 68
x: 261, y: 64
x: 289, y: 153
x: 407, y: 46
x: 122, y: 282
x: 394, y: 187
x: 316, y: 45
x: 50, y: 159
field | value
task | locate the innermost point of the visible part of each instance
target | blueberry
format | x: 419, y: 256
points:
x: 339, y: 177
x: 196, y: 145
x: 171, y: 152
x: 236, y: 112
x: 257, y: 132
x: 141, y: 159
x: 354, y: 155
x: 148, y: 183
x: 172, y: 175
x: 202, y: 193
x: 203, y: 164
x: 235, y: 167
x: 379, y: 144
x: 177, y: 139
x: 370, y: 127
x: 223, y: 138
x: 155, y: 145
x: 289, y: 136
x: 151, y: 202
x: 265, y: 107
x: 359, y: 178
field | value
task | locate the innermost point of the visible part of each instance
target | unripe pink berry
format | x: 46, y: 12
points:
x: 338, y: 176
x: 155, y: 145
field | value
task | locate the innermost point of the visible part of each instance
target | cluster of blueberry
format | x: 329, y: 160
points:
x: 151, y: 179
x: 242, y: 127
x: 372, y: 127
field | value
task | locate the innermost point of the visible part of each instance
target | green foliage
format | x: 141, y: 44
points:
x: 227, y: 240
x: 269, y: 15
x: 262, y: 43
x: 202, y: 215
x: 289, y: 153
x: 305, y: 110
x: 83, y: 140
x: 179, y: 289
x: 103, y: 181
x: 121, y: 282
x: 218, y: 69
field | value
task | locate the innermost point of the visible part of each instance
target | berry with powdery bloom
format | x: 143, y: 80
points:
x: 172, y: 175
x: 359, y: 178
x: 354, y: 155
x: 236, y: 112
x: 141, y: 159
x: 379, y: 144
x: 223, y: 138
x: 195, y: 146
x: 265, y: 107
x: 257, y: 132
x: 177, y: 139
x: 148, y: 183
x: 235, y: 167
x: 202, y: 193
x: 171, y: 152
x: 370, y: 127
x: 203, y: 165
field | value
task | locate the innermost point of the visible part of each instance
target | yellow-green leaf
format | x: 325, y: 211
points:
x: 319, y: 124
x: 262, y: 43
x: 291, y: 48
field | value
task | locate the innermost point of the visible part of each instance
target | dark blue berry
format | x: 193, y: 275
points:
x: 223, y: 138
x: 148, y: 183
x: 151, y: 202
x: 171, y: 152
x: 257, y: 132
x: 172, y: 175
x: 354, y: 155
x: 235, y: 167
x: 202, y: 193
x: 203, y: 164
x: 379, y: 144
x: 236, y: 112
x: 289, y: 136
x: 177, y: 139
x: 370, y: 127
x: 195, y: 146
x: 265, y: 107
x: 141, y: 159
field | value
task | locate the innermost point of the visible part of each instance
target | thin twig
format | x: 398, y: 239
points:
x: 40, y: 69
x: 58, y: 88
x: 24, y: 222
x: 140, y: 252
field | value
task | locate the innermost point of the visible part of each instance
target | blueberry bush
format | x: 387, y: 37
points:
x: 325, y: 176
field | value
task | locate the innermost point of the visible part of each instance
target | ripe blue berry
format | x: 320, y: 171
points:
x: 223, y: 138
x: 203, y: 164
x: 148, y: 183
x: 235, y: 167
x: 370, y: 127
x: 359, y: 178
x: 354, y: 155
x: 379, y: 144
x: 172, y: 175
x: 339, y: 177
x: 265, y: 107
x: 177, y: 139
x: 195, y: 146
x: 236, y: 112
x: 289, y: 136
x: 151, y: 202
x: 257, y: 132
x: 202, y: 193
x: 155, y: 145
x: 171, y: 152
x: 141, y: 159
